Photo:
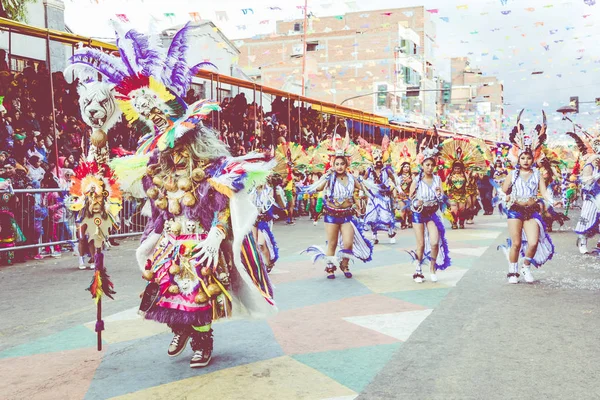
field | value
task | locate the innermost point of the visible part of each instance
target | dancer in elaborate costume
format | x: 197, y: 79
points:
x: 404, y: 154
x: 287, y: 155
x: 461, y: 156
x: 96, y: 200
x: 589, y: 221
x: 528, y: 237
x: 266, y: 199
x: 427, y: 198
x: 340, y: 206
x: 379, y: 215
x: 550, y: 173
x: 197, y: 253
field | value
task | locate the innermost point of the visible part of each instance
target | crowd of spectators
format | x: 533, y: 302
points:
x: 40, y: 148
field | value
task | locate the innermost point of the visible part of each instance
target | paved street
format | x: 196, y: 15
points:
x: 377, y: 336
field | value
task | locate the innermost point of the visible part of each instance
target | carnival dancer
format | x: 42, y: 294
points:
x: 427, y: 199
x: 287, y: 155
x: 266, y: 199
x: 404, y: 154
x: 96, y: 201
x: 549, y: 172
x: 528, y: 236
x: 473, y: 206
x: 589, y: 221
x: 197, y: 251
x: 341, y: 190
x: 464, y: 159
x: 379, y: 214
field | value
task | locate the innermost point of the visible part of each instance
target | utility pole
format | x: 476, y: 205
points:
x: 304, y: 44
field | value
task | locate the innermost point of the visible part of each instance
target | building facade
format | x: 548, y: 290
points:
x: 23, y: 49
x: 363, y: 60
x: 476, y: 106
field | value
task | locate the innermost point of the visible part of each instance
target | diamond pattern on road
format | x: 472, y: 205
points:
x: 278, y: 378
x: 398, y: 325
x: 60, y: 375
x: 322, y: 327
x: 353, y: 368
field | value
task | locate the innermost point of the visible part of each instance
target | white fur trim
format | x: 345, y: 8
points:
x: 144, y: 251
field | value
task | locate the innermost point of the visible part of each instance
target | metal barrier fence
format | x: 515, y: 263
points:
x: 46, y: 222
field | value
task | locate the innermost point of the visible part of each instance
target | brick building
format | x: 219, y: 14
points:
x: 352, y: 55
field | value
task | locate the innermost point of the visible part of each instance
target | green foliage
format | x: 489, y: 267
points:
x: 15, y: 9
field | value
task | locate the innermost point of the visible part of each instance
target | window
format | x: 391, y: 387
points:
x: 297, y: 27
x: 18, y: 64
x: 312, y: 46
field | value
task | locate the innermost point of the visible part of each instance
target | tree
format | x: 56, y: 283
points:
x: 14, y: 9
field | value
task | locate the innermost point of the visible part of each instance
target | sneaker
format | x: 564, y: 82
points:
x: 513, y: 279
x: 469, y: 222
x: 201, y: 358
x: 177, y: 345
x: 583, y: 248
x: 418, y: 277
x: 433, y: 278
x: 315, y: 223
x: 92, y: 266
x: 527, y: 275
x: 38, y: 257
x: 56, y: 255
x: 82, y: 266
x: 392, y: 240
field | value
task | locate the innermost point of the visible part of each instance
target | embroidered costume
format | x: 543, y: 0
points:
x: 379, y: 215
x: 340, y: 208
x: 463, y: 158
x: 404, y: 154
x: 427, y: 202
x: 523, y: 204
x: 197, y: 251
x: 589, y: 221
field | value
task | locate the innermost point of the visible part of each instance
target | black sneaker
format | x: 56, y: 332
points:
x: 178, y: 344
x: 201, y: 358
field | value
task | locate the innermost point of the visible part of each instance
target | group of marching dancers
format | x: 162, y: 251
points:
x: 360, y: 187
x: 208, y: 246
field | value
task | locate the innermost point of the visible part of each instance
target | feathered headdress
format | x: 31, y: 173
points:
x: 339, y: 146
x: 524, y: 142
x: 587, y: 144
x: 468, y: 153
x: 93, y: 179
x: 288, y: 155
x: 150, y: 82
x: 374, y: 153
x: 404, y: 152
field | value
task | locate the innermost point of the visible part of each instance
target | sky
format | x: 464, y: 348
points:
x: 509, y: 39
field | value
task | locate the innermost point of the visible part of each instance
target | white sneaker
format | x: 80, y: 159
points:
x: 92, y: 266
x: 418, y: 279
x: 433, y: 278
x: 315, y: 223
x: 583, y: 248
x: 527, y: 275
x: 82, y: 266
x: 513, y: 279
x: 392, y: 240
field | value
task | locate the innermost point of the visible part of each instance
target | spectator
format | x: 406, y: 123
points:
x: 36, y: 172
